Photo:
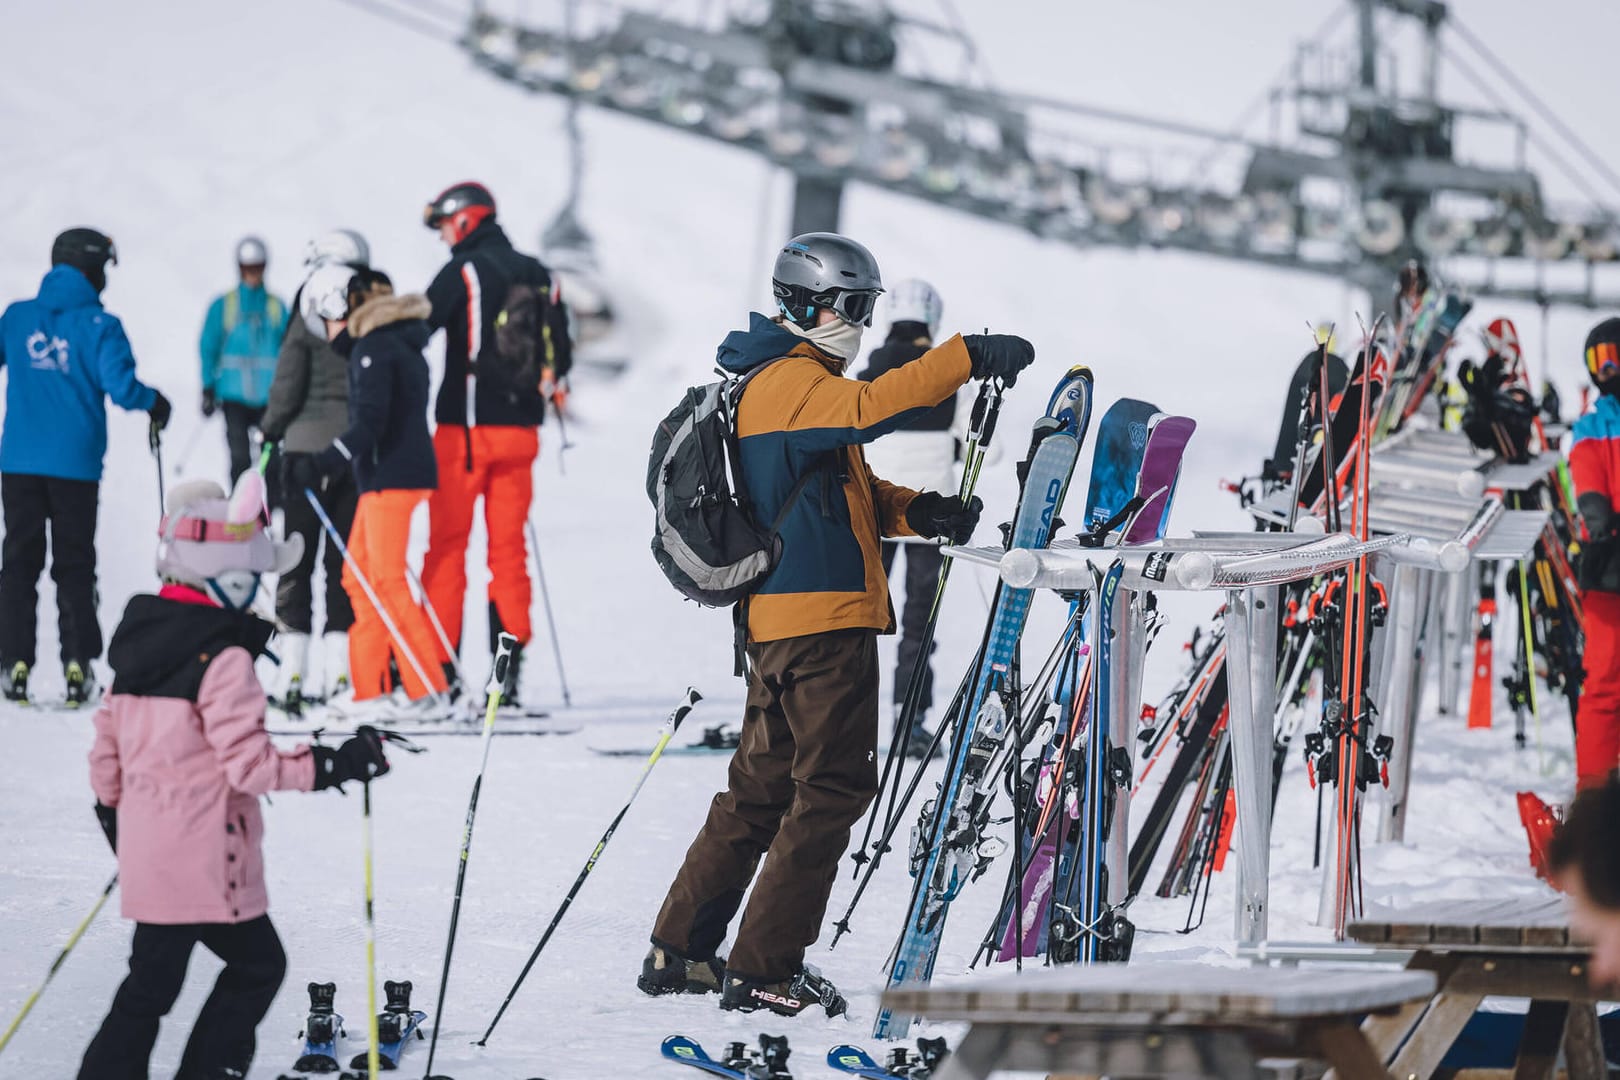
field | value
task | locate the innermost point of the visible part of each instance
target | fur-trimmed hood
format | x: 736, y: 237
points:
x: 380, y: 311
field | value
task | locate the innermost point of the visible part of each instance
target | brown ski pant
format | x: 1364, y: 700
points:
x: 804, y: 772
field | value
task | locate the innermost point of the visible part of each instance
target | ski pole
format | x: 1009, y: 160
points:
x: 371, y: 594
x: 186, y: 449
x: 154, y: 439
x: 373, y: 1063
x: 674, y: 722
x: 438, y: 627
x: 495, y: 690
x: 61, y: 958
x: 551, y: 623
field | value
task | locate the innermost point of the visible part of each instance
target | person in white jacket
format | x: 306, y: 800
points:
x: 924, y: 455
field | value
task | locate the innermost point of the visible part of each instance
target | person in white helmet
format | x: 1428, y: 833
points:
x: 308, y: 408
x: 239, y: 341
x: 923, y: 456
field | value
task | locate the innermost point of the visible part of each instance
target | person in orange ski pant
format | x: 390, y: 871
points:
x: 501, y: 471
x: 378, y: 542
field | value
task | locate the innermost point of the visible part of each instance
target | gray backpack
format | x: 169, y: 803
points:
x: 705, y: 536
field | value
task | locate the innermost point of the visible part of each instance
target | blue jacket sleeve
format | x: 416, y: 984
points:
x: 369, y: 408
x: 212, y: 343
x: 115, y: 363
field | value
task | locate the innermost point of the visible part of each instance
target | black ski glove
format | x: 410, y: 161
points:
x: 209, y: 403
x: 998, y: 356
x: 936, y: 515
x: 160, y: 410
x: 359, y: 758
x: 108, y: 817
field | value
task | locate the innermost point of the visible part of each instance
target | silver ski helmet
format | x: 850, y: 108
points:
x: 914, y: 300
x: 250, y: 251
x: 337, y: 245
x: 826, y: 270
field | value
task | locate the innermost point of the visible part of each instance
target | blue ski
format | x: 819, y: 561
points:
x: 902, y: 1064
x: 396, y: 1025
x: 322, y: 1030
x: 769, y: 1062
x: 946, y: 841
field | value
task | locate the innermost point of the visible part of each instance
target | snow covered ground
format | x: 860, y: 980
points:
x: 178, y: 132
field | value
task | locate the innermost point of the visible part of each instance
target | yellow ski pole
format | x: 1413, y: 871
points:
x: 61, y: 958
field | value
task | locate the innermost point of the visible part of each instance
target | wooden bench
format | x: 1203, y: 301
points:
x: 1511, y: 948
x: 1166, y: 1020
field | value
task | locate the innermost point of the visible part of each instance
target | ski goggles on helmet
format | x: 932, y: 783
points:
x: 854, y: 306
x: 1603, y: 360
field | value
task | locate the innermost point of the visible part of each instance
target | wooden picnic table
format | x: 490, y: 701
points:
x: 1163, y: 1020
x: 1508, y: 948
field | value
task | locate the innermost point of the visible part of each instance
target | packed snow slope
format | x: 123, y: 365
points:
x: 179, y: 132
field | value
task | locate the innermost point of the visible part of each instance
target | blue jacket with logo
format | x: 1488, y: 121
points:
x: 64, y: 355
x: 241, y: 339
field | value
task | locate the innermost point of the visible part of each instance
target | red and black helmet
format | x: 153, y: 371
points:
x: 465, y: 206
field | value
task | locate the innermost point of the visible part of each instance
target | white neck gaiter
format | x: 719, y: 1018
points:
x: 837, y: 338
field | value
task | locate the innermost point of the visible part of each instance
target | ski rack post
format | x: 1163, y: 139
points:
x: 371, y: 593
x: 495, y: 690
x: 61, y: 958
x: 670, y: 727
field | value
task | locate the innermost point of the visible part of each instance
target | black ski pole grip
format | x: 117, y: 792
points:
x: 692, y: 698
x: 503, y: 662
x: 980, y: 404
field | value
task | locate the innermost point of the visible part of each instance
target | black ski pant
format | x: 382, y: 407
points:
x: 223, y: 1036
x: 66, y: 509
x: 923, y: 562
x: 238, y: 419
x: 295, y: 590
x: 804, y: 772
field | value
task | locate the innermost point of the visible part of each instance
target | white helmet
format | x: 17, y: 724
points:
x: 220, y: 546
x: 914, y: 300
x: 250, y: 251
x: 325, y: 294
x: 338, y: 245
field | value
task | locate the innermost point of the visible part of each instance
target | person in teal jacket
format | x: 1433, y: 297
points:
x: 241, y: 338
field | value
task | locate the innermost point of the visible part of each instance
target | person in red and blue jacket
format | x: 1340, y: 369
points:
x: 1594, y: 467
x: 64, y: 355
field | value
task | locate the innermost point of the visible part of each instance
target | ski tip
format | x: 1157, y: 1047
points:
x: 846, y: 1058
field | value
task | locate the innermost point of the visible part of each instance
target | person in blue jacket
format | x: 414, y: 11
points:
x: 64, y: 355
x: 241, y: 338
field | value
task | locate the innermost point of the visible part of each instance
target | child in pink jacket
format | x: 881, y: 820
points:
x: 180, y: 758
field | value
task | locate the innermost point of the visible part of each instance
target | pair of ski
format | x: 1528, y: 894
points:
x: 1068, y: 884
x: 949, y: 846
x: 397, y: 1025
x: 769, y: 1062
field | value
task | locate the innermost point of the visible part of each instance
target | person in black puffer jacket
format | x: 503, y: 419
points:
x: 922, y: 455
x: 390, y: 451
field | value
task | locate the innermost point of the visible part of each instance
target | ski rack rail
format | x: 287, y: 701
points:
x: 1250, y: 567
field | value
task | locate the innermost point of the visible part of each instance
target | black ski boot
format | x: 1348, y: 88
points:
x: 666, y: 972
x: 784, y: 997
x: 921, y: 744
x: 81, y: 683
x: 14, y: 682
x: 769, y: 1062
